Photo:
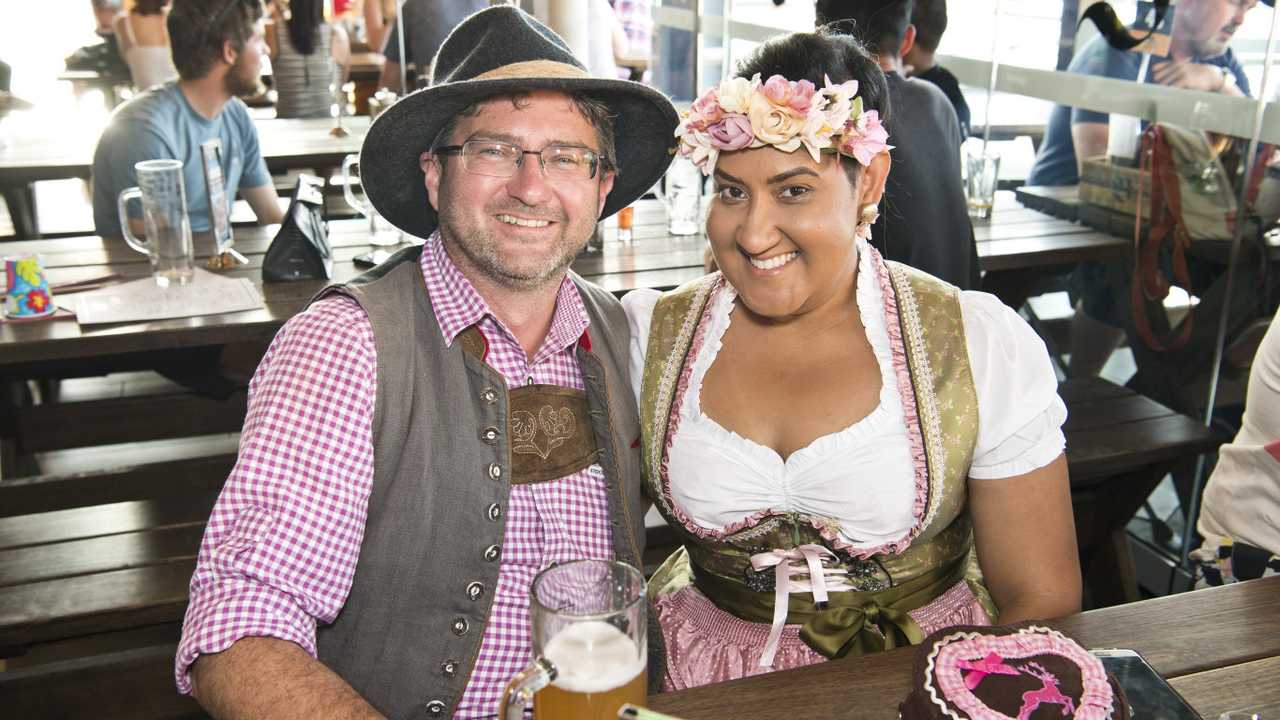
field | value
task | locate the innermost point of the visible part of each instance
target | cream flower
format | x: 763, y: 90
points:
x: 735, y: 94
x: 774, y: 125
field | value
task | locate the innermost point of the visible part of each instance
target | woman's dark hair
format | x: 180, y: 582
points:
x: 198, y: 28
x: 149, y: 7
x: 811, y: 56
x: 305, y: 18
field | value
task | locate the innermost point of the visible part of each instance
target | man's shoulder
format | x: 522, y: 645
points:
x: 1099, y: 58
x: 153, y: 110
x: 919, y: 104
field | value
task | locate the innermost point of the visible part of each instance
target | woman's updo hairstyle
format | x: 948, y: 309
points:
x: 810, y: 56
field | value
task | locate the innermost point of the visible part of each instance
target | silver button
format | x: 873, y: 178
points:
x: 491, y: 553
x: 489, y: 395
x: 475, y: 590
x: 494, y: 512
x: 436, y: 708
x: 489, y: 435
x: 460, y: 626
x: 495, y: 471
x: 449, y: 668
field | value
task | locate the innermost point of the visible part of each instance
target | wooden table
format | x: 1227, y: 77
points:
x: 286, y: 144
x: 1219, y: 647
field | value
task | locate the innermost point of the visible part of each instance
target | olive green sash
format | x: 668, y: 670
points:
x: 852, y: 622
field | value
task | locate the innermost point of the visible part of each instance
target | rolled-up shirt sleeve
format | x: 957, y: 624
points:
x: 280, y: 550
x: 1020, y: 414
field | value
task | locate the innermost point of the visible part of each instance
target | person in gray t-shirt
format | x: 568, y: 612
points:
x: 426, y: 24
x: 217, y: 48
x: 923, y: 221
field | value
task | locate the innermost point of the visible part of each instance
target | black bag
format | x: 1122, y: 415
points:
x: 300, y: 251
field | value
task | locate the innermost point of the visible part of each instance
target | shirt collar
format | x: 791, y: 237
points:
x: 458, y: 305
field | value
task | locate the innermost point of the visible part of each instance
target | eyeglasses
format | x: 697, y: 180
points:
x: 500, y: 159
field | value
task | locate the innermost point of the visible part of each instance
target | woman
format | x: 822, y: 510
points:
x: 831, y: 434
x: 306, y: 60
x: 144, y: 43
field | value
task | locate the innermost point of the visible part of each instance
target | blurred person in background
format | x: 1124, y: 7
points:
x: 308, y: 56
x: 635, y: 18
x: 426, y: 24
x: 1240, y: 517
x: 143, y: 40
x: 104, y: 14
x: 378, y: 18
x: 930, y: 20
x: 925, y: 222
x: 1199, y: 59
x: 217, y: 48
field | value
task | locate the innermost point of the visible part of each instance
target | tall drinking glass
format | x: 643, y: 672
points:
x: 381, y: 232
x: 983, y: 167
x: 164, y: 212
x: 681, y: 193
x: 590, y: 656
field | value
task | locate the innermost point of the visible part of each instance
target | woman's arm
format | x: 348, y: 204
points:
x: 273, y: 43
x: 375, y: 25
x: 1026, y: 540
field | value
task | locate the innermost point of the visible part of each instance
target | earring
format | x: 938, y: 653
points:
x: 866, y: 219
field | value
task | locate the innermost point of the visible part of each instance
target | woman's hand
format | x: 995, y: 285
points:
x: 1026, y: 540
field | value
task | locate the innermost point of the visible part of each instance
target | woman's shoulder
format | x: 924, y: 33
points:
x: 996, y: 332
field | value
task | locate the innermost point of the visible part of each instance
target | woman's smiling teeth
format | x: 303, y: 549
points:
x: 774, y: 262
x: 513, y: 220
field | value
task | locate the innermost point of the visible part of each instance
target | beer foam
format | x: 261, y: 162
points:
x: 593, y: 657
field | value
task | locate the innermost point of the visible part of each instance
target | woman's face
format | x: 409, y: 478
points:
x: 782, y: 227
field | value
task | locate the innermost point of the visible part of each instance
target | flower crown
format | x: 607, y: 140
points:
x: 743, y: 113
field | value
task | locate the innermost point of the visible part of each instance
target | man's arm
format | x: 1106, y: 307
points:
x: 260, y: 677
x: 1195, y: 76
x: 265, y: 203
x: 1090, y: 140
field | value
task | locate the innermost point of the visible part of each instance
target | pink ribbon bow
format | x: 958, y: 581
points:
x: 828, y: 580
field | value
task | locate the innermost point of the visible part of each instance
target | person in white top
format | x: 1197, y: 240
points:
x: 144, y: 43
x: 837, y: 423
x: 1240, y: 515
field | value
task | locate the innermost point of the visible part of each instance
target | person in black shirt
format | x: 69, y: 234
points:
x: 930, y: 19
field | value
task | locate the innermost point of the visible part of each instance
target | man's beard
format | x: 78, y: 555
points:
x: 482, y: 250
x: 240, y: 83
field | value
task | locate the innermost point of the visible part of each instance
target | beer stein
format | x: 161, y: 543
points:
x: 381, y: 232
x: 588, y: 630
x: 164, y: 212
x: 680, y: 191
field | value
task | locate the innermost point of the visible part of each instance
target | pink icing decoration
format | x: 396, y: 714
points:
x: 945, y: 683
x: 992, y: 664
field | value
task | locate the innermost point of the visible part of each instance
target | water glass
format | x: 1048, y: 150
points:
x: 164, y: 211
x: 1258, y: 712
x: 681, y: 192
x: 983, y: 170
x: 381, y: 232
x: 588, y: 633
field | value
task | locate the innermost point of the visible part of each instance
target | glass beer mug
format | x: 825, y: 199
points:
x: 590, y: 656
x: 167, y: 240
x: 680, y: 191
x: 381, y: 232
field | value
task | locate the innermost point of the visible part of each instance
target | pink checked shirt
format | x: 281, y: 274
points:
x: 280, y: 549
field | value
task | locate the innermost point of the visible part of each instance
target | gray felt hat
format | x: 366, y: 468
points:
x: 496, y: 51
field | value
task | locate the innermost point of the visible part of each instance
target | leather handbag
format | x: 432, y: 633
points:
x: 300, y: 250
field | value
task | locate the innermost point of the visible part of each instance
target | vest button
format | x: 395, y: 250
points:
x: 494, y: 512
x: 489, y: 395
x: 460, y: 626
x: 495, y: 471
x: 436, y: 708
x: 475, y: 590
x: 491, y: 553
x: 449, y: 668
x: 489, y: 435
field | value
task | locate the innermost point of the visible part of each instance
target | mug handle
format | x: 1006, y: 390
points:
x: 347, y: 163
x: 519, y: 692
x: 126, y: 195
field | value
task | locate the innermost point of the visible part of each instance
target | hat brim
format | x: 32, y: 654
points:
x: 644, y: 124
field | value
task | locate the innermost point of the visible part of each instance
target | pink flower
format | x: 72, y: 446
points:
x: 866, y: 138
x: 731, y: 133
x: 802, y: 96
x: 797, y: 96
x: 707, y: 108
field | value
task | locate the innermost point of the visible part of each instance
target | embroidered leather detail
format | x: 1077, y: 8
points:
x: 557, y: 425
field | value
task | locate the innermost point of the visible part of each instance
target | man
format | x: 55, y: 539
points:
x: 387, y: 514
x: 217, y: 49
x: 1199, y: 59
x: 923, y: 220
x: 426, y: 24
x: 930, y: 20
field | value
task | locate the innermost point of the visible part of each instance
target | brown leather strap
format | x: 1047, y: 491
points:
x: 1149, y: 283
x: 549, y: 425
